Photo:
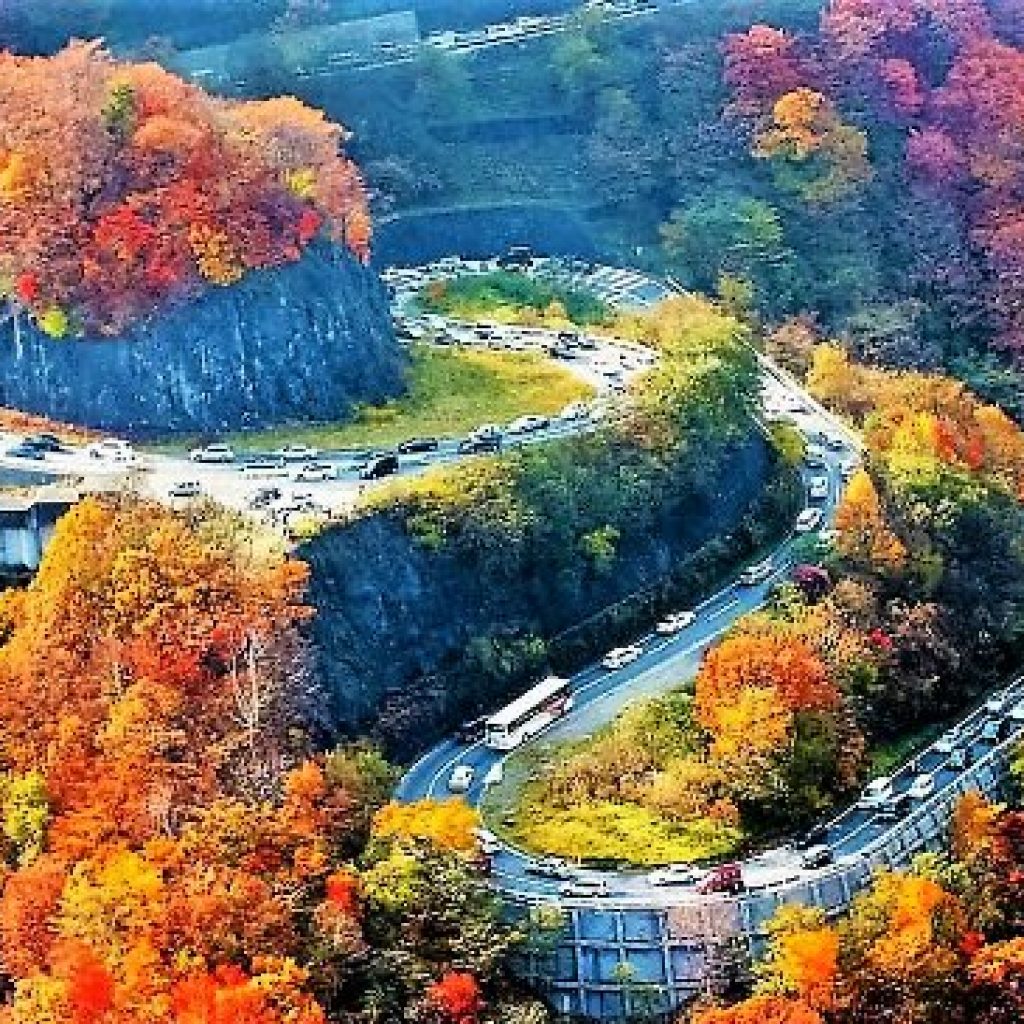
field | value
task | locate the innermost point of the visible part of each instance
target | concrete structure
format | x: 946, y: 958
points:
x: 614, y: 958
x: 26, y: 525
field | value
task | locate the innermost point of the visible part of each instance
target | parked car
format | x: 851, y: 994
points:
x: 112, y: 449
x: 755, y: 574
x: 1017, y: 711
x: 212, y: 453
x: 816, y: 857
x: 584, y: 888
x: 313, y: 472
x: 676, y: 874
x: 814, y: 456
x: 996, y: 703
x: 461, y: 779
x: 25, y: 451
x: 947, y: 741
x: 297, y: 453
x: 549, y: 867
x: 808, y: 520
x: 381, y: 466
x: 876, y: 792
x: 44, y: 442
x: 675, y: 623
x: 724, y: 878
x: 185, y: 489
x: 619, y: 657
x: 418, y: 444
x: 922, y: 787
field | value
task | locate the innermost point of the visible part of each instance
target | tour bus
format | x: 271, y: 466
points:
x: 529, y: 714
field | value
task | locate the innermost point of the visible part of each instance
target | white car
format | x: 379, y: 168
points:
x: 847, y: 468
x: 1017, y: 711
x: 212, y: 453
x: 922, y: 787
x: 947, y: 742
x: 814, y: 456
x: 996, y: 704
x: 619, y: 657
x: 675, y: 623
x: 676, y: 874
x: 585, y: 887
x: 297, y: 453
x: 461, y: 779
x: 809, y: 519
x: 112, y: 449
x: 314, y: 472
x: 755, y: 574
x: 875, y: 793
x: 487, y: 841
x: 818, y: 488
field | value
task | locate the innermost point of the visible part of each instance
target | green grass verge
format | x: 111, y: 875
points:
x: 515, y: 810
x: 507, y: 297
x: 450, y: 391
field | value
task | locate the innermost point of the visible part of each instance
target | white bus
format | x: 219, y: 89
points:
x: 529, y: 714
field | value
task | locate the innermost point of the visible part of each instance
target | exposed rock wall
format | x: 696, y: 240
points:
x: 303, y: 342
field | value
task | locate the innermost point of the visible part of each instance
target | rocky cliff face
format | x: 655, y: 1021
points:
x: 302, y: 342
x: 395, y: 620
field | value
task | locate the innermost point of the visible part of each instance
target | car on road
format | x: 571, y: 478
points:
x: 549, y: 867
x: 212, y: 453
x: 414, y: 445
x: 472, y: 731
x: 676, y: 874
x: 112, y: 449
x: 487, y: 841
x: 996, y: 703
x: 315, y: 472
x: 1017, y: 711
x: 847, y: 468
x: 726, y: 878
x: 25, y: 451
x: 619, y: 657
x: 946, y: 743
x: 380, y: 466
x: 527, y: 425
x: 922, y: 787
x: 991, y: 729
x: 755, y: 574
x: 808, y: 520
x: 479, y: 445
x: 814, y: 456
x: 296, y: 453
x: 584, y: 888
x: 185, y: 489
x: 816, y: 857
x: 675, y: 623
x: 461, y: 779
x: 894, y: 807
x: 959, y: 758
x: 876, y: 792
x: 817, y: 488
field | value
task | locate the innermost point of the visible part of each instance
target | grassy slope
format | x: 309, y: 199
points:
x: 450, y: 392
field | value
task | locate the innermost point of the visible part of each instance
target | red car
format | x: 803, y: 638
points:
x: 724, y: 878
